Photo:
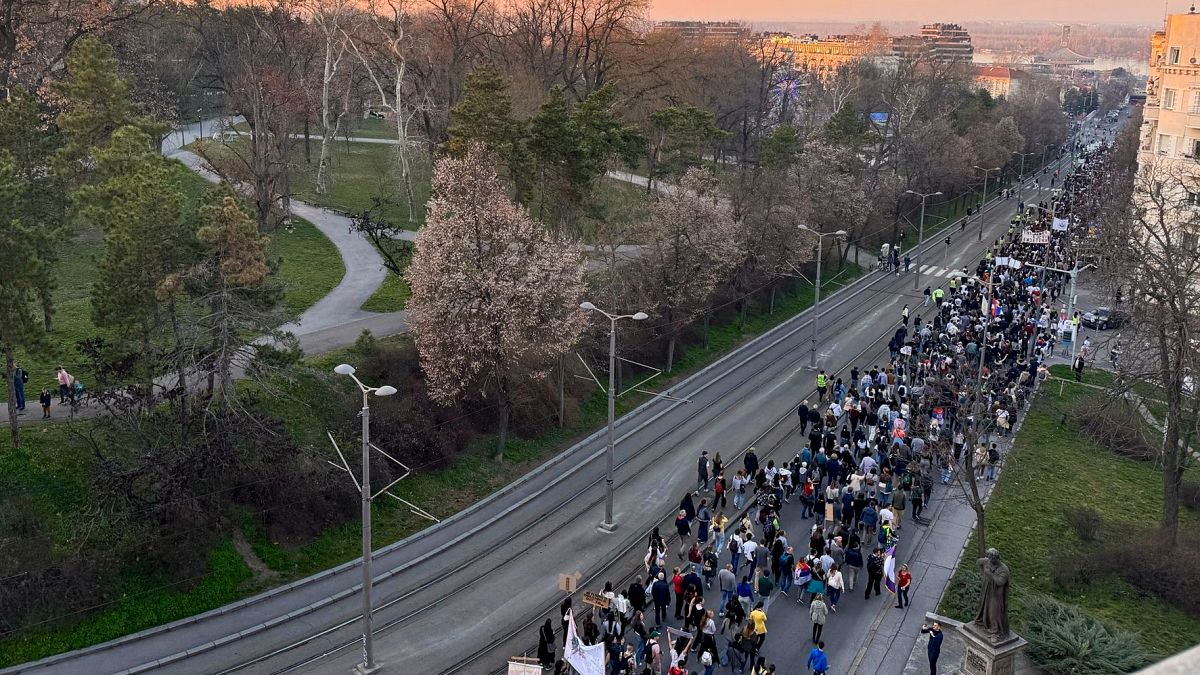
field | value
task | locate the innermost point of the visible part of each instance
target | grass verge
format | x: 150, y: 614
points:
x: 309, y: 265
x: 392, y: 295
x: 1051, y: 469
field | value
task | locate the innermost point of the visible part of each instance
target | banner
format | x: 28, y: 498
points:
x: 1031, y: 237
x: 1059, y: 225
x: 586, y: 659
x: 889, y: 569
x: 1002, y: 260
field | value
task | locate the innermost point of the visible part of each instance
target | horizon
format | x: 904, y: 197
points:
x: 1075, y: 12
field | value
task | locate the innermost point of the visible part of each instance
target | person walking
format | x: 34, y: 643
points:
x: 817, y: 660
x: 834, y: 584
x: 817, y: 612
x: 822, y: 386
x: 874, y: 571
x: 65, y: 380
x: 758, y: 617
x: 903, y: 582
x: 546, y: 645
x: 660, y: 593
x: 46, y: 399
x: 702, y: 472
x: 904, y: 315
x: 683, y: 526
x: 934, y: 648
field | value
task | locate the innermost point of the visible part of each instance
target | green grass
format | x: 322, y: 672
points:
x: 310, y: 265
x: 359, y: 173
x: 1051, y: 469
x: 392, y: 295
x: 354, y: 128
x: 142, y: 602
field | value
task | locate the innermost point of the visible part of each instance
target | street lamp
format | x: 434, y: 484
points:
x: 608, y: 524
x: 985, y: 183
x: 920, y: 232
x: 368, y: 664
x: 812, y: 354
x: 1021, y: 175
x: 200, y: 118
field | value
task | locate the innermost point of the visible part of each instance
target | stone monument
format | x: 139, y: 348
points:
x: 992, y: 647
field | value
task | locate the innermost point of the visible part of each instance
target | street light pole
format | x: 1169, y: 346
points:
x: 609, y: 524
x: 368, y: 664
x: 1021, y: 177
x: 812, y: 352
x: 920, y: 233
x: 985, y: 195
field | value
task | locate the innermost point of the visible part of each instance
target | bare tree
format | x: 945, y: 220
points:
x: 329, y: 17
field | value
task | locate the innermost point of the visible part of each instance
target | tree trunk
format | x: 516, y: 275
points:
x: 47, y: 302
x: 504, y: 409
x: 180, y: 370
x: 307, y: 143
x: 9, y: 366
x: 706, y: 330
x: 562, y: 401
x: 771, y: 309
x: 670, y: 353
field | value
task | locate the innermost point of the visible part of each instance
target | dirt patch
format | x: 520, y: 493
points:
x: 258, y: 568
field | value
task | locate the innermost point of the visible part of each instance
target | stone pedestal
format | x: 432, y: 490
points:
x: 985, y: 656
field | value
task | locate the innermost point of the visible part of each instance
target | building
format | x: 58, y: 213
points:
x: 823, y: 56
x: 708, y: 32
x: 1000, y: 80
x: 939, y: 42
x: 947, y: 42
x: 1170, y: 134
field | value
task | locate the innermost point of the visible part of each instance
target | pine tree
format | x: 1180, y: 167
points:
x: 484, y: 115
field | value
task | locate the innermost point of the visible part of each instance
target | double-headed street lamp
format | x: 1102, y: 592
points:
x: 985, y: 183
x: 812, y: 354
x: 368, y: 665
x: 920, y: 232
x: 609, y: 524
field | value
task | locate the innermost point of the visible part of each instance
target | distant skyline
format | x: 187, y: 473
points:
x: 1137, y: 12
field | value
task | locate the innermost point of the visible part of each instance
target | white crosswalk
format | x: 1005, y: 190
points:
x: 935, y: 271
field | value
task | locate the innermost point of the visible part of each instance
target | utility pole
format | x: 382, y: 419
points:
x: 816, y: 320
x: 1021, y: 178
x: 985, y: 196
x: 920, y: 233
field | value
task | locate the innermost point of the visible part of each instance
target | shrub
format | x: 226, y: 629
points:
x: 961, y: 599
x: 1063, y: 639
x: 1115, y: 424
x: 1191, y: 494
x: 1169, y: 574
x: 1085, y: 521
x: 1070, y: 569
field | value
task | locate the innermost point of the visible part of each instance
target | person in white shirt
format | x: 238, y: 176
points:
x: 886, y: 515
x: 749, y: 547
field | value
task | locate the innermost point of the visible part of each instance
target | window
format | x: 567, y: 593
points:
x: 1195, y: 148
x: 1194, y: 105
x: 1190, y: 241
x: 1168, y: 100
x: 1193, y: 198
x: 1166, y: 144
x: 1173, y: 58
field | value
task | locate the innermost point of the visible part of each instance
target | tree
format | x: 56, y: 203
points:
x: 136, y: 203
x: 484, y: 115
x: 20, y: 272
x: 494, y: 293
x: 692, y: 247
x: 847, y: 128
x: 329, y: 17
x: 1157, y: 265
x: 679, y: 138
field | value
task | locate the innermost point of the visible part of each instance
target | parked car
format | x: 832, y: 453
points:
x: 1104, y: 317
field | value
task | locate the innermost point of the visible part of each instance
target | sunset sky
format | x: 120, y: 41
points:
x: 1077, y: 11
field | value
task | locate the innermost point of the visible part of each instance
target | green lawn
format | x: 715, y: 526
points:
x: 1053, y: 468
x: 392, y: 295
x: 309, y: 265
x: 360, y: 172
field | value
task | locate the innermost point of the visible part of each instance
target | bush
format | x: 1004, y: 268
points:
x: 1115, y: 424
x: 1071, y: 569
x: 1191, y: 495
x: 961, y: 600
x: 1063, y: 639
x: 1085, y: 521
x: 1169, y: 574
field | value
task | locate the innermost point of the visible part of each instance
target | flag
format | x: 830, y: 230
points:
x: 1059, y: 225
x: 889, y: 569
x: 585, y: 659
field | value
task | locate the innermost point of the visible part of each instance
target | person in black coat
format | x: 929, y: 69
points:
x: 637, y: 595
x: 802, y: 412
x: 660, y: 592
x: 935, y: 644
x: 546, y: 645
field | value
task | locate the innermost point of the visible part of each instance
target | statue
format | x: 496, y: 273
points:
x: 992, y: 617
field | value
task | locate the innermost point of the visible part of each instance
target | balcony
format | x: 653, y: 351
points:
x: 1150, y: 113
x: 1193, y: 120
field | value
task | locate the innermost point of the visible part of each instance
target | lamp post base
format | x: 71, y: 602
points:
x: 362, y: 669
x: 607, y: 528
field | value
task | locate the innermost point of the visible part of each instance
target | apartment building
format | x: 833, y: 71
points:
x: 708, y: 32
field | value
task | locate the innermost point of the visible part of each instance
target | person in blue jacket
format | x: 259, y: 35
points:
x: 817, y: 659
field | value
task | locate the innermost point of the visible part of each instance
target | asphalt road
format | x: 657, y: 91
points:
x: 470, y: 586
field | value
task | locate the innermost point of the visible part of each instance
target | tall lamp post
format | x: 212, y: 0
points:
x: 985, y: 195
x: 1021, y: 176
x: 368, y: 664
x: 608, y: 523
x: 920, y: 232
x: 812, y: 354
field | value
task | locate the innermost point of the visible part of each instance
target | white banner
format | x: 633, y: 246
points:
x: 1059, y: 225
x: 1002, y: 260
x: 586, y: 659
x: 1031, y: 237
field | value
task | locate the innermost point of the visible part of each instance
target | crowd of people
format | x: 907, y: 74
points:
x: 877, y: 439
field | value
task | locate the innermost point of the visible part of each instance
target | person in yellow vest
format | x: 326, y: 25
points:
x: 822, y: 385
x: 953, y: 284
x: 938, y: 293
